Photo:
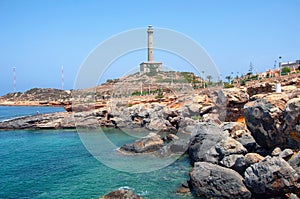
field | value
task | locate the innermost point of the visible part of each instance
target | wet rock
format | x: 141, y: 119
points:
x: 295, y: 162
x: 121, y: 194
x: 41, y: 121
x: 147, y: 144
x: 272, y: 177
x: 213, y: 181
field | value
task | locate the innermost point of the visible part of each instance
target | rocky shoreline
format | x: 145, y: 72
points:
x: 241, y: 144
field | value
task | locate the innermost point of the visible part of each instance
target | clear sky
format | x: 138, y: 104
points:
x: 39, y: 36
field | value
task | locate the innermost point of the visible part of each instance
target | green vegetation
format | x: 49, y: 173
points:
x: 227, y: 85
x: 160, y: 94
x: 285, y: 70
x: 146, y: 92
x: 196, y: 117
x: 112, y: 80
x: 243, y: 83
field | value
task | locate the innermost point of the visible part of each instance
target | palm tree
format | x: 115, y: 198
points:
x: 228, y: 78
x: 209, y: 77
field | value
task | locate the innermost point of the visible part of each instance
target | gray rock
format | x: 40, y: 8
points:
x: 147, y: 144
x: 229, y: 161
x: 239, y: 132
x: 232, y: 126
x: 291, y: 126
x: 295, y: 162
x: 286, y: 153
x: 121, y: 194
x: 252, y: 158
x: 264, y: 120
x: 213, y: 181
x: 273, y: 177
x: 178, y: 146
x: 246, y: 139
x: 276, y: 152
x: 229, y: 146
x: 193, y: 109
x: 204, y: 137
x: 293, y: 196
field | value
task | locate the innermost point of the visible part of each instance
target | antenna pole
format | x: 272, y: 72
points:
x: 15, y: 79
x: 62, y: 78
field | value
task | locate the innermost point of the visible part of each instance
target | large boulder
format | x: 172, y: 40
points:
x: 264, y: 119
x: 272, y: 177
x: 147, y: 144
x: 204, y: 137
x: 213, y: 181
x: 291, y: 126
x: 121, y: 194
x: 239, y: 132
x: 229, y: 146
x: 295, y: 162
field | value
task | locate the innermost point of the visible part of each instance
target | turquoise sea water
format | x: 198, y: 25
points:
x: 55, y: 164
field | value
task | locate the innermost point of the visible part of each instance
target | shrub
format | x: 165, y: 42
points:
x: 227, y: 85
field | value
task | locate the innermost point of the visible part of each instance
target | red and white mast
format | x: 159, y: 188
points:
x: 15, y: 79
x: 62, y: 78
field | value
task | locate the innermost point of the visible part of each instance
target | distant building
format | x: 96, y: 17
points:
x: 150, y: 65
x: 291, y: 65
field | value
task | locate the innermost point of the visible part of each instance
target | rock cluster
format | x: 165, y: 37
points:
x: 258, y: 158
x: 121, y: 194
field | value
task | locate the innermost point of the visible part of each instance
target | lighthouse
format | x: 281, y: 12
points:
x: 150, y: 66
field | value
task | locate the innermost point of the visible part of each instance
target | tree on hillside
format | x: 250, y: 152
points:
x: 228, y: 78
x: 286, y: 70
x: 209, y: 78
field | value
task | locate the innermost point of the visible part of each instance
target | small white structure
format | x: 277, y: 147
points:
x: 278, y: 88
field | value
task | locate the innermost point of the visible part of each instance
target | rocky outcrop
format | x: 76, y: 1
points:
x: 121, y: 194
x: 272, y: 177
x: 264, y: 119
x: 236, y: 98
x: 148, y: 144
x: 213, y: 181
x: 291, y: 126
x: 38, y: 97
x: 204, y: 137
x: 274, y: 120
x: 45, y: 121
x: 264, y: 87
x: 295, y: 162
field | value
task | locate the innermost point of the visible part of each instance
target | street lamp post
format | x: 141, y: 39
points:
x: 203, y: 79
x: 279, y: 65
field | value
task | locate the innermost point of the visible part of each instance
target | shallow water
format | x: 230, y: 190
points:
x: 56, y: 164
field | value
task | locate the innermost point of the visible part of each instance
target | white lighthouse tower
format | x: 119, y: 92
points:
x: 150, y: 65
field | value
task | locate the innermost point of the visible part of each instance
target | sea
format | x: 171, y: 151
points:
x: 57, y: 164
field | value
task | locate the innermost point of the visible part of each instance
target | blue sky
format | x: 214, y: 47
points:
x: 39, y: 36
